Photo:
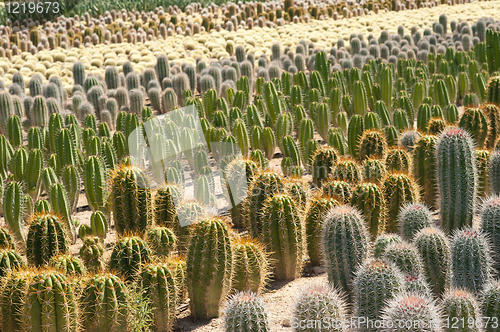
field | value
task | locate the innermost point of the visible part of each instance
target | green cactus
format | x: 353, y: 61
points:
x: 424, y: 169
x: 399, y: 189
x: 461, y: 306
x: 375, y: 283
x: 355, y: 131
x: 34, y: 173
x: 160, y: 284
x: 60, y: 314
x: 383, y: 241
x: 434, y: 249
x: 338, y: 190
x: 320, y: 204
x: 60, y: 204
x: 40, y: 247
x: 347, y: 170
x: 470, y: 248
x: 316, y: 302
x: 475, y: 122
x: 280, y: 215
x: 457, y: 178
x: 413, y: 217
x: 104, y: 303
x: 130, y: 200
x: 251, y: 266
x: 372, y: 144
x: 489, y: 224
x: 13, y: 208
x: 128, y: 254
x: 161, y: 240
x: 9, y: 261
x: 374, y: 170
x: 337, y: 140
x: 420, y: 309
x: 482, y: 163
x: 91, y: 253
x: 405, y: 257
x: 209, y: 267
x: 494, y: 90
x: 68, y: 264
x: 246, y: 311
x: 346, y: 244
x: 490, y: 300
x: 369, y: 200
x: 6, y: 239
x: 323, y: 161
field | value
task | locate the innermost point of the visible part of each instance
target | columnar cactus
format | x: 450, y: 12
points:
x: 320, y: 302
x: 375, y: 282
x: 160, y: 284
x: 493, y: 114
x: 494, y: 90
x: 490, y: 223
x: 490, y: 304
x: 251, y: 265
x: 347, y: 170
x: 13, y: 207
x: 475, y: 122
x: 245, y: 312
x: 263, y: 186
x: 104, y: 303
x: 62, y: 312
x: 434, y: 249
x: 355, y: 131
x: 91, y: 253
x: 424, y: 168
x: 209, y: 267
x: 413, y: 218
x: 283, y: 234
x: 420, y: 310
x: 398, y: 160
x: 405, y: 256
x: 323, y: 161
x: 128, y: 254
x: 318, y: 207
x: 461, y: 306
x: 399, y: 189
x: 372, y: 144
x: 130, y: 199
x: 346, y: 243
x: 494, y: 172
x: 60, y: 204
x: 457, y: 178
x: 470, y: 248
x: 374, y: 170
x: 370, y: 201
x: 6, y: 239
x: 338, y: 190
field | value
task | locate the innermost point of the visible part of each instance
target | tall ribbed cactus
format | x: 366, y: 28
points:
x: 251, y: 265
x: 282, y: 232
x: 91, y: 253
x: 490, y: 223
x: 104, y: 303
x: 370, y: 201
x: 322, y: 164
x: 459, y: 305
x: 424, y: 168
x: 399, y: 189
x: 346, y: 243
x: 355, y: 131
x: 13, y: 207
x: 434, y: 249
x: 490, y: 303
x: 413, y: 218
x: 60, y: 204
x: 130, y: 199
x: 457, y: 178
x: 475, y: 122
x: 209, y: 267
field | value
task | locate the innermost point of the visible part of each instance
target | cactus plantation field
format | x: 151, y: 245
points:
x: 262, y: 166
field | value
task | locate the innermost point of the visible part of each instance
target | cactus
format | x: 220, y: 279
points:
x: 60, y: 204
x: 104, y: 303
x: 128, y: 254
x: 70, y: 178
x: 318, y: 207
x: 68, y: 264
x: 13, y: 208
x: 40, y: 248
x: 161, y: 240
x: 398, y: 189
x: 482, y: 163
x: 246, y: 311
x: 9, y: 261
x: 323, y: 161
x: 490, y: 300
x: 475, y: 122
x: 419, y: 309
x: 372, y: 144
x: 470, y: 247
x: 130, y: 200
x: 339, y: 190
x: 251, y: 266
x: 375, y: 283
x: 347, y: 170
x: 62, y: 312
x: 416, y: 284
x: 494, y: 90
x: 368, y: 198
x: 413, y: 218
x: 316, y: 302
x: 6, y: 239
x: 383, y: 241
x: 374, y: 170
x: 461, y: 306
x: 263, y: 186
x: 355, y: 131
x: 405, y: 257
x: 280, y: 216
x: 94, y: 180
x: 322, y: 120
x: 457, y: 178
x: 160, y: 284
x: 424, y: 168
x: 91, y: 253
x: 490, y: 210
x: 494, y: 171
x: 209, y: 267
x: 346, y: 243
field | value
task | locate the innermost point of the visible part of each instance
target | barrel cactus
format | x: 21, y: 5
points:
x: 251, y: 265
x: 128, y: 254
x: 47, y: 237
x: 246, y: 311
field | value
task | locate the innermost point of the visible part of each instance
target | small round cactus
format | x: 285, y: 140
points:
x: 461, y: 312
x: 246, y: 312
x: 490, y: 304
x: 320, y: 302
x: 91, y: 253
x: 405, y: 256
x: 68, y: 264
x: 412, y: 218
x: 161, y: 240
x: 128, y: 254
